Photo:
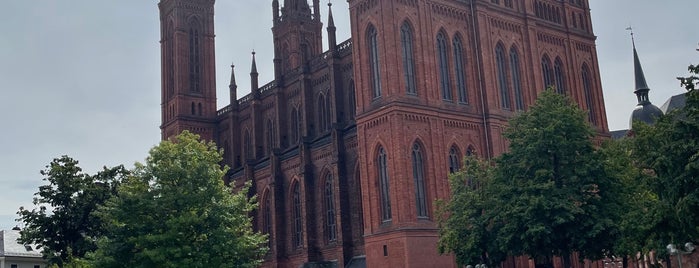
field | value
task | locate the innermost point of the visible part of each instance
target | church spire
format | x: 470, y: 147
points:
x: 332, y: 39
x: 641, y: 88
x: 254, y: 83
x: 645, y: 111
x: 233, y: 87
x: 275, y: 11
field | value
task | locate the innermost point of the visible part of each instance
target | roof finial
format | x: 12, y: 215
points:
x: 254, y: 64
x: 331, y: 21
x: 633, y: 43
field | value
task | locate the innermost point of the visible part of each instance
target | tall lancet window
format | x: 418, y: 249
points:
x: 454, y: 160
x: 382, y: 164
x: 194, y: 55
x: 419, y: 179
x: 270, y: 137
x: 373, y: 44
x: 547, y: 72
x: 406, y: 41
x: 170, y: 57
x: 248, y: 145
x: 267, y: 228
x: 297, y: 223
x: 330, y: 223
x: 459, y: 69
x: 559, y: 76
x: 516, y: 80
x: 295, y: 126
x: 352, y: 101
x: 502, y: 76
x: 443, y: 64
x: 587, y: 88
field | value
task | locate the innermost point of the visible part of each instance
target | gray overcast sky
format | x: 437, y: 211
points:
x: 82, y: 77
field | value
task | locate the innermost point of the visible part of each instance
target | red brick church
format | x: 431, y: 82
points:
x: 347, y: 149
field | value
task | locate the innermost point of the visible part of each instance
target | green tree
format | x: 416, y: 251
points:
x: 464, y: 225
x: 175, y: 211
x: 552, y: 196
x: 64, y: 224
x: 637, y: 200
x: 669, y: 153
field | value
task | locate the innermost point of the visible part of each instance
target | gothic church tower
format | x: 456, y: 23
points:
x: 188, y: 67
x: 439, y: 79
x: 297, y: 34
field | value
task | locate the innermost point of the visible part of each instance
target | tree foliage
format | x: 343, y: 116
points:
x: 550, y: 195
x: 669, y: 152
x: 553, y: 196
x: 64, y: 225
x: 175, y: 211
x: 464, y: 227
x: 636, y: 199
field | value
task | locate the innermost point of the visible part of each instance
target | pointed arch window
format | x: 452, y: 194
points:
x: 295, y: 126
x: 547, y: 71
x: 169, y: 52
x: 516, y: 81
x: 270, y: 137
x: 267, y: 223
x: 297, y: 223
x: 559, y: 76
x: 384, y: 185
x: 459, y: 69
x: 443, y: 64
x: 406, y: 41
x: 352, y: 101
x: 373, y: 44
x: 470, y: 151
x: 419, y: 179
x: 330, y: 224
x: 286, y: 61
x: 587, y: 88
x: 502, y: 76
x: 454, y: 160
x: 194, y: 56
x: 324, y: 120
x: 247, y: 145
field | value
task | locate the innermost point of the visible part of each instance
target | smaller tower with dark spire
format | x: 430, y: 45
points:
x: 332, y: 38
x: 254, y: 82
x: 233, y: 87
x: 645, y: 111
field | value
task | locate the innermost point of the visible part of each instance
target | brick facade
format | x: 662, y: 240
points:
x: 310, y: 141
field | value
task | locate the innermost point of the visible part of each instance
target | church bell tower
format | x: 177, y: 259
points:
x: 297, y: 31
x: 188, y: 67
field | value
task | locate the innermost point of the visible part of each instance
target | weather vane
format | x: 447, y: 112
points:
x: 631, y: 30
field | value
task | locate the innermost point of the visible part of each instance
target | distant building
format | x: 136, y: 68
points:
x: 645, y: 111
x: 348, y: 149
x: 16, y: 255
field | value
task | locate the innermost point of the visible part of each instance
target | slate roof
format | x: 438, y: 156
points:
x: 10, y: 248
x: 674, y: 103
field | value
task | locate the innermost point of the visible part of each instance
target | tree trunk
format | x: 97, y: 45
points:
x: 543, y: 262
x: 566, y: 261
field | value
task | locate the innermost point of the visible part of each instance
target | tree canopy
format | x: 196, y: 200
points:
x: 549, y: 195
x: 669, y: 153
x: 466, y: 231
x: 64, y: 224
x: 175, y: 211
